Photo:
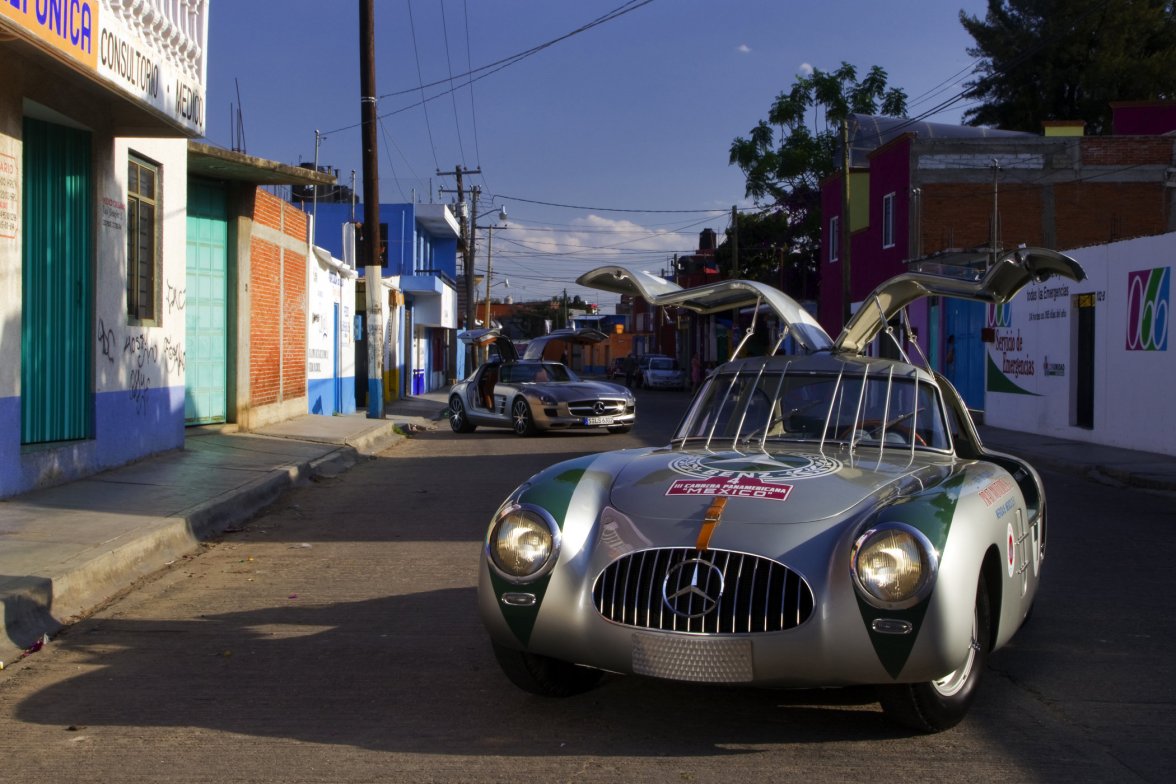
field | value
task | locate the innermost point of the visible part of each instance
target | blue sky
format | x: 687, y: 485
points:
x: 633, y: 116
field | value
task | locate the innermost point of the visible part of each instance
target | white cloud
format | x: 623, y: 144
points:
x: 806, y: 69
x: 743, y: 49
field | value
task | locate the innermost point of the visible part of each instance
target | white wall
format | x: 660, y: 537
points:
x: 1134, y: 377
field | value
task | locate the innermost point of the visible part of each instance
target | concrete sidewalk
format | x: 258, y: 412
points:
x: 65, y: 550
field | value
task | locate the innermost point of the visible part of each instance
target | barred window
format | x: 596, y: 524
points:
x: 142, y: 238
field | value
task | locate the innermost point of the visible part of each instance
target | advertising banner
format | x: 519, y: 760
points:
x: 152, y: 63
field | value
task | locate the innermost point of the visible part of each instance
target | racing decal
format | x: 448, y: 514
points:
x: 1011, y: 554
x: 995, y: 491
x: 770, y: 469
x: 735, y: 487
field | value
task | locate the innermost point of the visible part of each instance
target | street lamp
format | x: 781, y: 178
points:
x: 490, y: 257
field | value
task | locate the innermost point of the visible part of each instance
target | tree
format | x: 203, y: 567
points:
x: 784, y: 171
x: 1068, y: 60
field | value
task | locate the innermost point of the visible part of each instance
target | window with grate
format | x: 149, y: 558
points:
x: 142, y: 238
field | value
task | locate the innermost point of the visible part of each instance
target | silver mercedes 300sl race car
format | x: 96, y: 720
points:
x: 821, y: 519
x: 530, y: 394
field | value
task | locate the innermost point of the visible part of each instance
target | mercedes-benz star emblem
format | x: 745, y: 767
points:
x: 599, y: 407
x: 692, y: 588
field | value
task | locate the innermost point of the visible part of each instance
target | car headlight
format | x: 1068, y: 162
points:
x: 894, y: 566
x: 522, y: 543
x: 547, y: 399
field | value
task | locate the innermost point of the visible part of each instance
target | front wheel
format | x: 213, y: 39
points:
x: 941, y: 704
x: 459, y: 421
x: 524, y: 423
x: 545, y: 676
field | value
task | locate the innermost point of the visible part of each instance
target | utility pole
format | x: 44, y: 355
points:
x: 467, y: 239
x: 734, y: 242
x: 846, y: 299
x: 371, y: 210
x: 995, y: 214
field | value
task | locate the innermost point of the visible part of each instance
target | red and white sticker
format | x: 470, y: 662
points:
x: 1012, y: 547
x: 733, y: 487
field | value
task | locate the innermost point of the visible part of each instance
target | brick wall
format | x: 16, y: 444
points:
x: 277, y: 318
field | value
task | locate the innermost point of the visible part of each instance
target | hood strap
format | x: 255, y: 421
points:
x: 714, y: 515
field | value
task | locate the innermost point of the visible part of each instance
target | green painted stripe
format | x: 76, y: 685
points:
x: 931, y: 513
x: 552, y: 490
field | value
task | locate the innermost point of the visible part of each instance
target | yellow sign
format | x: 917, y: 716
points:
x: 69, y: 26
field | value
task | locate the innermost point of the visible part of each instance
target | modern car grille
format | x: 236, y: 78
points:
x: 705, y: 592
x: 587, y: 408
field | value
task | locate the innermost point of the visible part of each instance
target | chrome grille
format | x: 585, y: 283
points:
x: 587, y: 408
x: 717, y: 592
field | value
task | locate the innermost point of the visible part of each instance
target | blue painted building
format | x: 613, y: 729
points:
x: 419, y: 293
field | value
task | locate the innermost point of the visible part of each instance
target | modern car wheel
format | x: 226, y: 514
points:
x: 524, y: 423
x: 941, y: 704
x: 457, y: 416
x: 543, y: 675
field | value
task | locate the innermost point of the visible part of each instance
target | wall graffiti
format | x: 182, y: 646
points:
x: 173, y: 353
x: 142, y: 357
x: 176, y: 298
x: 106, y: 340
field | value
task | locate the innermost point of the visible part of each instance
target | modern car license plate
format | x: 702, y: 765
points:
x: 600, y: 420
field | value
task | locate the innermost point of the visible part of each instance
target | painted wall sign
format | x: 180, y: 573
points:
x: 9, y: 196
x: 1147, y: 309
x: 106, y: 43
x: 68, y: 26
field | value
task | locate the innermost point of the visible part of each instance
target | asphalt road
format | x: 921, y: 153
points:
x: 335, y: 639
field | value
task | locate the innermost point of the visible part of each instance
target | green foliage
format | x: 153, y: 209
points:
x: 1068, y: 60
x: 784, y: 160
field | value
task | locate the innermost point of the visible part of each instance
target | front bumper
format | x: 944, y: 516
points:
x: 564, y: 416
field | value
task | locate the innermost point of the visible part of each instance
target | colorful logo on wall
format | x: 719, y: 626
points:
x: 1000, y: 316
x: 1147, y: 309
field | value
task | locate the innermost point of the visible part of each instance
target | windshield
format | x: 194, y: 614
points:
x: 658, y: 363
x: 536, y: 372
x: 857, y: 409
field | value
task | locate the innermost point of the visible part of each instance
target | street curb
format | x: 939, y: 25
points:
x: 46, y: 604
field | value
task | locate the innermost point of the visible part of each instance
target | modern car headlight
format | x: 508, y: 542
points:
x: 894, y: 566
x: 547, y: 399
x: 522, y: 543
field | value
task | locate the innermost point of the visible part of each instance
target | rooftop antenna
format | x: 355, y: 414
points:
x: 239, y: 123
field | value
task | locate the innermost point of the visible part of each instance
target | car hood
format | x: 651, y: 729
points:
x: 579, y: 390
x: 799, y: 486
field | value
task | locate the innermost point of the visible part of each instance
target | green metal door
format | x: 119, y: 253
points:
x: 205, y: 303
x: 56, y: 285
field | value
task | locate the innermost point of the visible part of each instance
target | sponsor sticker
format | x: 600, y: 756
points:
x: 734, y: 487
x: 993, y: 493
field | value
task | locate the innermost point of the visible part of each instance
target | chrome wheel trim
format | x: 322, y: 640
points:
x: 950, y: 684
x: 521, y: 413
x: 456, y: 413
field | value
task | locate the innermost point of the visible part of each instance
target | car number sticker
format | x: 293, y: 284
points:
x: 735, y: 487
x: 600, y: 420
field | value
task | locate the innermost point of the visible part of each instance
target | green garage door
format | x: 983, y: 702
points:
x: 205, y: 303
x: 56, y: 285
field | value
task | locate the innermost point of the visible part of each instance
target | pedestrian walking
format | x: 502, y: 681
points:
x: 630, y: 369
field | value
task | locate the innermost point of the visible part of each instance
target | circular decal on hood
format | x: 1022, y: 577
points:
x: 768, y: 468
